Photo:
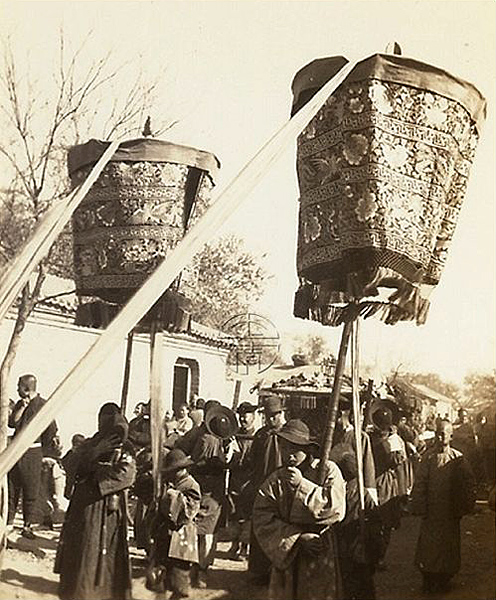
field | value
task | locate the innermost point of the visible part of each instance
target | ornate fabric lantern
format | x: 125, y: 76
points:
x: 137, y: 211
x: 382, y: 171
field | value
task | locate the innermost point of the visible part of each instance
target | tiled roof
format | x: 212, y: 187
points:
x: 59, y: 295
x: 425, y: 392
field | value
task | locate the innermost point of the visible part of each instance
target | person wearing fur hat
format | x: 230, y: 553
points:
x: 174, y: 532
x: 293, y: 517
x: 92, y: 556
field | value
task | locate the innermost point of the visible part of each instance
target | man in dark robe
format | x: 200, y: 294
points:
x: 69, y: 463
x: 210, y: 456
x: 187, y: 442
x: 264, y: 459
x: 25, y: 476
x: 293, y: 517
x: 392, y: 477
x: 465, y: 441
x: 239, y: 481
x: 444, y: 491
x: 141, y: 437
x: 353, y: 534
x: 140, y: 427
x: 92, y: 557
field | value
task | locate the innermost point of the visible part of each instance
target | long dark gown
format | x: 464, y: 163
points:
x: 92, y: 557
x: 282, y: 513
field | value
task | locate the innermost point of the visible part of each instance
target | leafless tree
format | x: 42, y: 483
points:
x: 40, y: 118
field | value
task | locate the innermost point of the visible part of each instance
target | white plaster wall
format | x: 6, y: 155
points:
x: 51, y: 346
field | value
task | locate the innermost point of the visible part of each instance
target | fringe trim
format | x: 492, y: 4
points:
x: 317, y: 302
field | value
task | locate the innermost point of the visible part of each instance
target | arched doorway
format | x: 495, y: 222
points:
x: 186, y: 381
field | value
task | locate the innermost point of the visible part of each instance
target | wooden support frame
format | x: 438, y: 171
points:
x: 357, y: 420
x: 236, y: 393
x: 332, y: 411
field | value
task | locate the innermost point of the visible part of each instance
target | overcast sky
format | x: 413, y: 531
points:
x: 229, y: 67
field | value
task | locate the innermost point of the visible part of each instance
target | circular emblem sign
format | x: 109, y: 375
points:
x: 255, y: 342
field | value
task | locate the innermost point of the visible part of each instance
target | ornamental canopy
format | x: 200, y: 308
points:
x: 382, y: 172
x: 140, y: 207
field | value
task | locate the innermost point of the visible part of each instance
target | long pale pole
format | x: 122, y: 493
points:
x: 45, y: 234
x: 156, y: 404
x: 227, y: 201
x: 332, y: 409
x: 357, y: 421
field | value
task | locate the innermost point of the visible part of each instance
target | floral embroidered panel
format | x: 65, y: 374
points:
x: 382, y: 171
x: 134, y: 214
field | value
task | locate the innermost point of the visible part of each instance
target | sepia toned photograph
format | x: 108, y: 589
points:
x: 247, y: 300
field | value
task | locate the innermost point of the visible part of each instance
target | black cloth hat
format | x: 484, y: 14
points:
x: 221, y: 422
x: 174, y: 460
x: 382, y: 418
x: 210, y: 404
x: 272, y: 405
x: 296, y: 432
x: 246, y: 407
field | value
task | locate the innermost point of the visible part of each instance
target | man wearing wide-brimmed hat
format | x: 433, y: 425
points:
x: 265, y: 455
x: 265, y: 458
x: 293, y: 516
x: 210, y: 455
x: 174, y: 531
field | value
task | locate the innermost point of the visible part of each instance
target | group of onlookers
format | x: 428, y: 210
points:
x: 307, y: 527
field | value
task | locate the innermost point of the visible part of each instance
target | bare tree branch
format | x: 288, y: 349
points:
x: 37, y: 128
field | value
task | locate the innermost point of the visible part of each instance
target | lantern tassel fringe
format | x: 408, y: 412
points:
x: 334, y: 308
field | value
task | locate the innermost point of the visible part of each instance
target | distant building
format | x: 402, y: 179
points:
x: 51, y: 345
x: 425, y: 400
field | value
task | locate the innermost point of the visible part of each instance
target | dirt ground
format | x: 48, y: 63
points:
x: 26, y: 576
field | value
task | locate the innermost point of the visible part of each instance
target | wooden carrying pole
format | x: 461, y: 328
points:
x: 236, y: 394
x: 44, y: 235
x: 357, y: 421
x: 214, y: 218
x: 156, y: 408
x: 332, y: 410
x: 127, y: 371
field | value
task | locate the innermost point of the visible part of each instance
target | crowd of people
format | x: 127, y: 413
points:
x: 306, y: 527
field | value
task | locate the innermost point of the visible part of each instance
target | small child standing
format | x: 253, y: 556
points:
x: 175, y: 545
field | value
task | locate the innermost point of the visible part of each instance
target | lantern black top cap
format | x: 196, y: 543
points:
x: 392, y: 68
x: 144, y: 149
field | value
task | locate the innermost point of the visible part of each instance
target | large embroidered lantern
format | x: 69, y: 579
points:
x: 137, y: 211
x: 382, y: 171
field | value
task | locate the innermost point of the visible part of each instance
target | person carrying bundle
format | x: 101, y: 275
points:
x: 174, y: 532
x: 92, y: 556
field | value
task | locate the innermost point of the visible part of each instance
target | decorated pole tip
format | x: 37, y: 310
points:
x: 393, y: 48
x: 147, y: 129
